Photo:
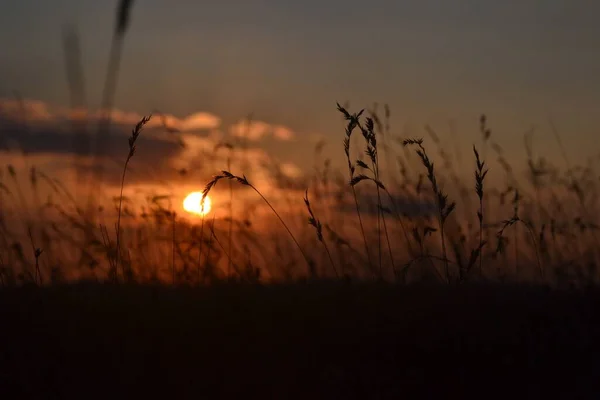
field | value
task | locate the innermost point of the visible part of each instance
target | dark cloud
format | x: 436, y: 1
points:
x: 401, y: 204
x: 32, y: 139
x: 187, y: 154
x: 73, y: 146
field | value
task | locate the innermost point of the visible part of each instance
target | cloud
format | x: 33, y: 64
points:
x: 254, y: 130
x: 282, y: 133
x: 200, y: 120
x: 38, y: 111
x: 402, y: 204
x: 61, y: 140
x: 257, y: 130
x: 170, y: 150
x: 291, y: 170
x: 20, y: 109
x: 194, y: 122
x: 167, y: 161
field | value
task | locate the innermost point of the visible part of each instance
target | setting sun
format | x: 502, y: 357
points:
x: 193, y: 204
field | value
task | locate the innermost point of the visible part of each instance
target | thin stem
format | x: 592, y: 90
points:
x: 516, y: 233
x: 230, y: 214
x: 379, y: 212
x: 117, y: 257
x: 226, y: 254
x: 312, y: 220
x: 330, y: 259
x: 481, y: 236
x: 2, y: 271
x: 444, y: 249
x: 108, y: 94
x: 200, y: 246
x: 362, y: 229
x: 283, y: 223
x: 387, y: 236
x: 535, y: 247
x: 424, y: 256
x: 173, y: 249
x: 408, y: 242
x: 207, y: 263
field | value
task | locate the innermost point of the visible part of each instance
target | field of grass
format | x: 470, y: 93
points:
x: 426, y: 222
x: 413, y: 270
x: 380, y: 285
x: 384, y: 206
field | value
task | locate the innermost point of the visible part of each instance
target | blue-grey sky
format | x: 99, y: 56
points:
x: 288, y: 62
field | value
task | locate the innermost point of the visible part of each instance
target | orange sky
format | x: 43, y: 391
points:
x: 207, y: 67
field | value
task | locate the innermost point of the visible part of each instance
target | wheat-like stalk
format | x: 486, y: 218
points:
x: 480, y: 173
x: 352, y: 124
x: 313, y: 221
x: 123, y: 15
x: 77, y: 94
x: 371, y: 141
x: 242, y: 180
x: 229, y: 147
x: 122, y: 22
x: 229, y: 259
x: 135, y: 133
x: 513, y: 221
x: 444, y: 207
x: 371, y: 151
x: 37, y: 252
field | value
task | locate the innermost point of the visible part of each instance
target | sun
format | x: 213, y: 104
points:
x: 193, y: 204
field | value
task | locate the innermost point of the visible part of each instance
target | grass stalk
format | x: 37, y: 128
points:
x: 244, y: 181
x: 135, y: 133
x: 200, y: 245
x: 444, y: 208
x: 480, y: 174
x: 352, y: 124
x: 313, y: 221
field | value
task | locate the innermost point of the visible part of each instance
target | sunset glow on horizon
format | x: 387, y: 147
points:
x: 194, y: 204
x: 362, y: 158
x: 243, y: 106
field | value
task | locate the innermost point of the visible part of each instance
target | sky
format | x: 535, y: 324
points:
x: 288, y: 62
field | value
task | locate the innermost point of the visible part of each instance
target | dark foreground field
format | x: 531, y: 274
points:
x: 299, y: 341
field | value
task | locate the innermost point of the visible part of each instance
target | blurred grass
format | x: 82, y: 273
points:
x: 436, y: 224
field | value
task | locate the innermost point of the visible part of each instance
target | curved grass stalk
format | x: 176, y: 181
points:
x: 244, y: 181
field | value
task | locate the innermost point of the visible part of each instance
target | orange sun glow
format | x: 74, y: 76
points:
x: 194, y: 205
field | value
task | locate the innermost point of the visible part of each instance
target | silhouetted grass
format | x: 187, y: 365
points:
x: 192, y: 317
x: 554, y: 247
